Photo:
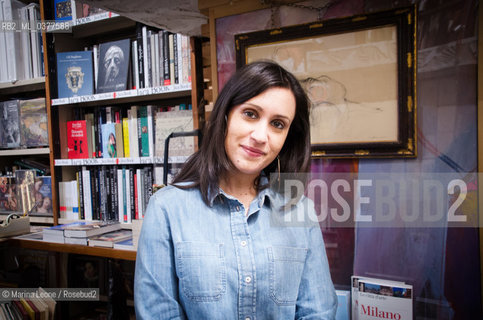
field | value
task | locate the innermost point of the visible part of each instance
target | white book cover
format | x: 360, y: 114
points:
x: 149, y: 109
x: 179, y: 52
x: 73, y: 212
x: 95, y: 58
x: 34, y: 17
x: 133, y: 129
x: 145, y: 57
x: 155, y: 59
x: 120, y: 195
x: 13, y: 41
x: 139, y: 184
x: 384, y: 300
x: 355, y: 292
x: 25, y: 37
x: 86, y: 188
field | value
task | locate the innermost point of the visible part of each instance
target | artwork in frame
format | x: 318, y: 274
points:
x: 359, y: 74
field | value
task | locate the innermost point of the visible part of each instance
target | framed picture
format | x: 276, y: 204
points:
x: 359, y: 74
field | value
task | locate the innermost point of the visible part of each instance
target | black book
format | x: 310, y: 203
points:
x: 139, y: 38
x: 131, y: 190
x: 114, y: 59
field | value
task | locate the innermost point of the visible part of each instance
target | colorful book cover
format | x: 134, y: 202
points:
x: 63, y: 10
x: 109, y: 140
x: 383, y: 300
x: 33, y: 123
x: 125, y: 133
x: 77, y: 147
x: 43, y: 196
x: 114, y: 58
x: 143, y: 133
x: 74, y: 74
x: 8, y: 194
x: 10, y: 124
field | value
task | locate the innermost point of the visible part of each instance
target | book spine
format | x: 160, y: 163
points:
x: 176, y: 50
x: 136, y: 187
x: 114, y: 196
x: 140, y: 55
x: 121, y: 187
x: 80, y: 197
x: 125, y: 133
x: 171, y: 57
x: 167, y: 79
x: 87, y: 193
x: 131, y: 195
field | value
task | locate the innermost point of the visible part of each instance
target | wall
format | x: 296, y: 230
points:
x: 441, y: 263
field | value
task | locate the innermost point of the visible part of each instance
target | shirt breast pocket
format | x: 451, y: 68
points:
x: 286, y: 268
x: 200, y: 267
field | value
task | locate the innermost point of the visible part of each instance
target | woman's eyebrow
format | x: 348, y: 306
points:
x: 260, y: 109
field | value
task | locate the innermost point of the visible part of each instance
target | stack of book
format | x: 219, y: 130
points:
x: 78, y: 232
x: 381, y: 299
x: 109, y: 239
x: 39, y: 305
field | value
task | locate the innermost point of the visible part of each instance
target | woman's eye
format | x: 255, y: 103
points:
x: 278, y: 124
x: 250, y: 114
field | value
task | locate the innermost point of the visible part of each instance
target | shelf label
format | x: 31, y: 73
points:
x: 63, y: 162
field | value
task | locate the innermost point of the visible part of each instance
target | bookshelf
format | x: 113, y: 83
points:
x: 95, y: 30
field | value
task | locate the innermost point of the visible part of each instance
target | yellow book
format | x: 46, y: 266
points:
x: 125, y: 133
x: 28, y: 308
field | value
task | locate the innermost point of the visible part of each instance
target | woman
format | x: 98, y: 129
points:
x: 208, y: 249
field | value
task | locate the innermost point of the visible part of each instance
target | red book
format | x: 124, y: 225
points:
x: 77, y: 140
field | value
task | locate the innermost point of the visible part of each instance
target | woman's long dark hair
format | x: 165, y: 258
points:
x: 205, y: 168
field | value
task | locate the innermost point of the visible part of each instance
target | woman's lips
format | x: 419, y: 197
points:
x: 253, y: 152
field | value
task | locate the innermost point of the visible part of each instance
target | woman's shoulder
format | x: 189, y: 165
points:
x: 176, y: 193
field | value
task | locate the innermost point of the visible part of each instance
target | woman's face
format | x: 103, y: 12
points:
x: 257, y: 129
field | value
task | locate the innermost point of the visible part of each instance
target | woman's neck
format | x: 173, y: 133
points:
x: 242, y: 187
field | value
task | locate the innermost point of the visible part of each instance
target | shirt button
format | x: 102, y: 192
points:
x: 248, y: 279
x: 243, y: 243
x: 248, y: 318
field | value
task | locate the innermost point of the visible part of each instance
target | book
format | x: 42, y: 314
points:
x: 63, y: 10
x: 142, y: 130
x: 43, y: 196
x: 25, y: 179
x: 109, y: 141
x: 8, y: 194
x: 114, y: 58
x: 74, y: 74
x: 33, y: 123
x: 77, y: 144
x: 343, y: 305
x: 87, y: 229
x: 10, y: 124
x: 127, y: 244
x: 109, y: 239
x: 12, y: 49
x: 384, y: 300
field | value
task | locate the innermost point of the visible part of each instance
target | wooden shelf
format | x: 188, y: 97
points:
x: 74, y: 248
x: 22, y: 152
x: 127, y: 96
x: 20, y: 86
x: 117, y: 161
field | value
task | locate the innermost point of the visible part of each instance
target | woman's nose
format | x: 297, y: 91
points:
x: 260, y: 133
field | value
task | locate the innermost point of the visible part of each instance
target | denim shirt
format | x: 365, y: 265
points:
x: 215, y: 262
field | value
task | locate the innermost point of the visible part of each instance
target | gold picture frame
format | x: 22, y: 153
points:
x: 359, y: 74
